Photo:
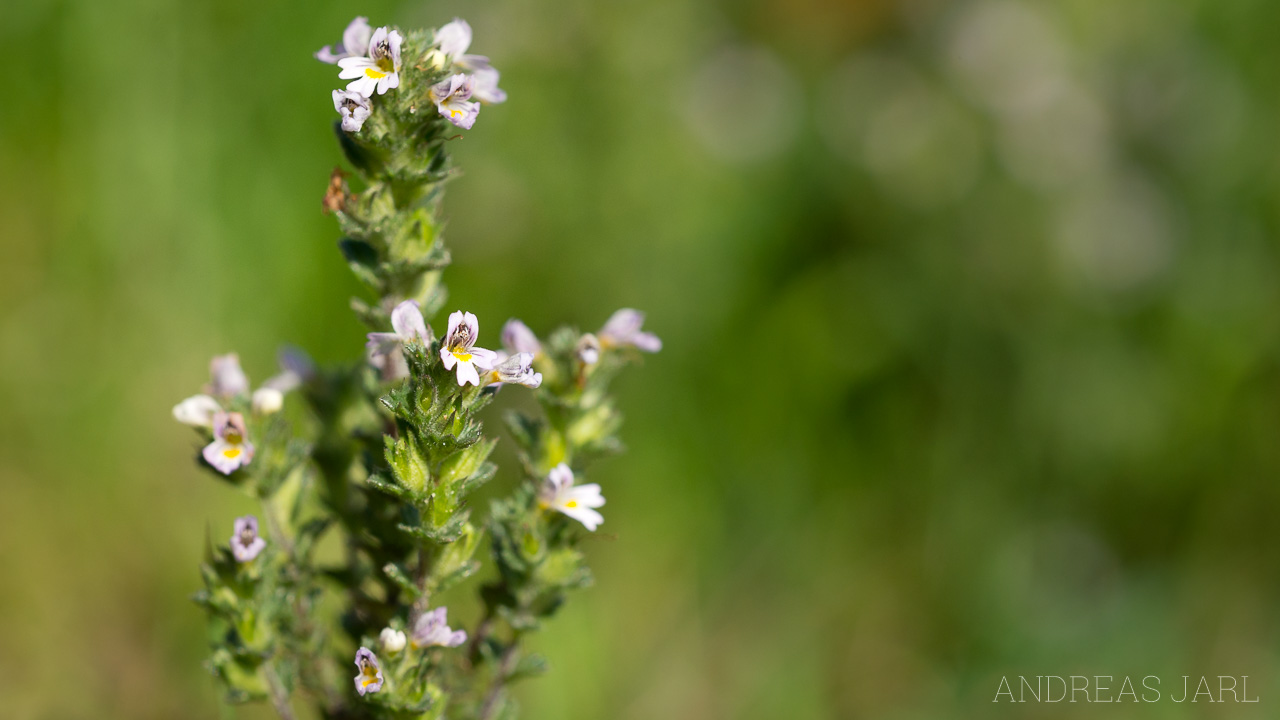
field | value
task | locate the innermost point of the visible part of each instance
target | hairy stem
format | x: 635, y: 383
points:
x: 505, y: 664
x: 279, y: 697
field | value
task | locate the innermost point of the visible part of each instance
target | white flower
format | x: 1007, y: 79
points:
x: 559, y: 493
x: 353, y: 107
x: 452, y: 96
x: 588, y: 349
x: 380, y: 71
x: 385, y: 349
x: 355, y: 41
x: 518, y: 338
x: 432, y: 629
x: 246, y: 543
x: 230, y: 448
x: 226, y: 377
x: 516, y: 369
x: 485, y: 89
x: 623, y: 329
x: 369, y: 679
x: 392, y: 640
x: 197, y: 411
x: 459, y: 349
x: 453, y: 40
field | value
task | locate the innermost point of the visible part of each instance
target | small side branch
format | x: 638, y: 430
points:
x: 506, y: 663
x: 279, y: 698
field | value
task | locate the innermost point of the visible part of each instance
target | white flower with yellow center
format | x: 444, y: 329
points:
x: 380, y: 70
x: 353, y: 108
x: 230, y: 449
x: 514, y: 369
x: 246, y: 543
x: 452, y: 97
x: 369, y: 674
x: 453, y: 40
x: 458, y: 349
x: 578, y: 502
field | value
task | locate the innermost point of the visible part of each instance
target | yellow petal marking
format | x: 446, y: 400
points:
x: 370, y: 72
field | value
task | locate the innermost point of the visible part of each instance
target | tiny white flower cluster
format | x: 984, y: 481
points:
x: 370, y: 59
x: 430, y: 630
x: 458, y: 351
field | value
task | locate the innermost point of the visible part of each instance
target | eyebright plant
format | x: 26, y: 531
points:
x: 379, y: 466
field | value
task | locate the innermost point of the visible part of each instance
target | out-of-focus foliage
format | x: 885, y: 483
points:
x: 970, y: 313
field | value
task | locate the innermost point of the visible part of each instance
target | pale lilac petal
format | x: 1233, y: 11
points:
x: 227, y: 379
x: 447, y: 358
x: 382, y: 343
x: 482, y: 358
x: 355, y: 39
x: 296, y: 361
x: 454, y: 38
x: 473, y: 324
x: 327, y: 54
x: 560, y: 478
x: 518, y: 338
x: 369, y: 676
x: 245, y: 541
x: 432, y: 629
x: 474, y: 64
x: 485, y: 88
x: 623, y: 323
x: 197, y: 411
x: 379, y: 36
x: 647, y: 342
x: 394, y: 40
x: 455, y: 319
x: 623, y: 328
x: 225, y: 457
x: 407, y: 321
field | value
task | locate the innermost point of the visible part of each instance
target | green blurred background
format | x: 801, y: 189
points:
x: 972, y: 359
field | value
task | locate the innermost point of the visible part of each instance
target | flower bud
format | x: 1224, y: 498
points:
x: 392, y: 640
x: 267, y: 401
